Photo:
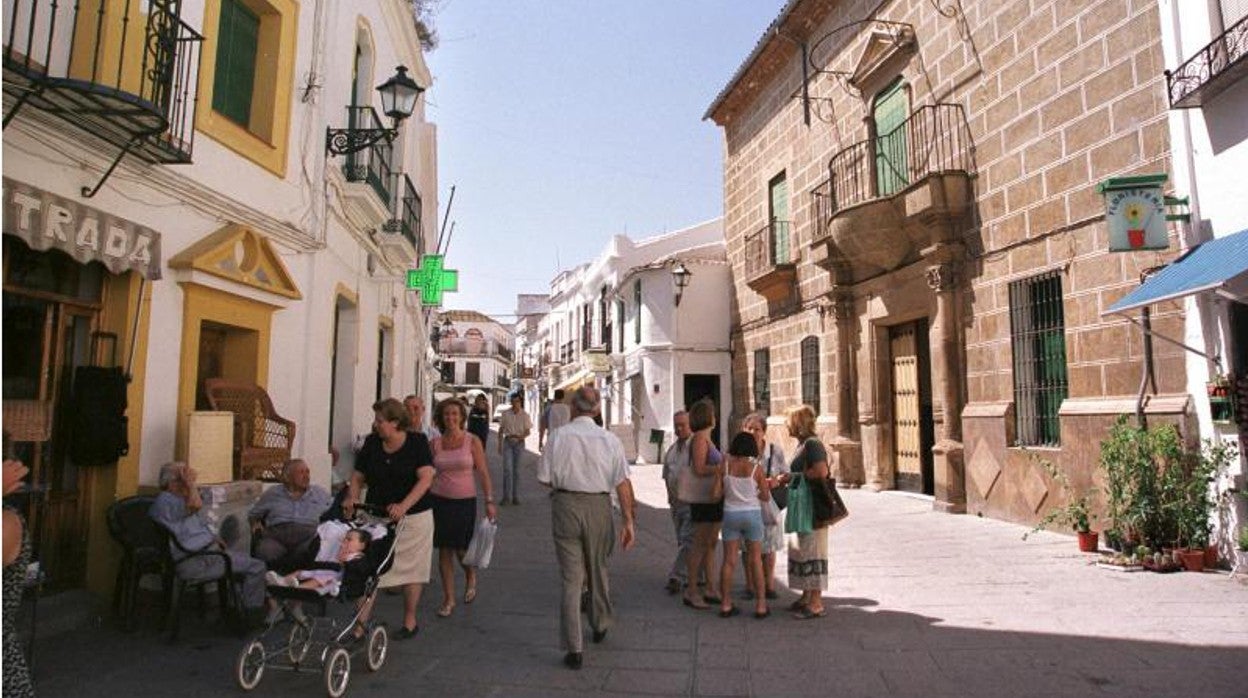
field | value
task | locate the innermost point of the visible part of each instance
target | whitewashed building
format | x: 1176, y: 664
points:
x: 171, y: 188
x: 477, y: 354
x: 621, y: 322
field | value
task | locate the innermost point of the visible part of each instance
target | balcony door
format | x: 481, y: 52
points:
x: 892, y: 107
x: 779, y: 219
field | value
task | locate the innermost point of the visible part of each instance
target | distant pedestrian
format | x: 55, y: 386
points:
x: 583, y: 464
x: 479, y: 419
x: 808, y: 563
x: 706, y: 510
x: 675, y: 462
x: 775, y: 469
x: 514, y: 427
x: 745, y: 490
x: 459, y: 459
x: 415, y: 406
x: 554, y: 416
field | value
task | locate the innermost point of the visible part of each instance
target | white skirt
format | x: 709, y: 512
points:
x: 413, y: 551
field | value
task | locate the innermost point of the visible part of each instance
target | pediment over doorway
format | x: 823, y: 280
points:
x: 239, y: 254
x: 889, y: 46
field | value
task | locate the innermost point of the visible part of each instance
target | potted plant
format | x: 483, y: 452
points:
x: 1075, y: 513
x: 1242, y: 549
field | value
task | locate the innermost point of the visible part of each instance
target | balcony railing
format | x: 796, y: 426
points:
x: 109, y: 70
x: 1214, y: 68
x: 475, y: 347
x: 408, y: 221
x: 933, y: 140
x: 371, y: 165
x: 768, y: 248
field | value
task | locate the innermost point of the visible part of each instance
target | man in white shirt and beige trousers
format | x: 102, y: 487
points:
x: 582, y: 464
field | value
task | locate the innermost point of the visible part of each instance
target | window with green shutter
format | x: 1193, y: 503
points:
x: 762, y: 380
x: 238, y: 35
x: 892, y: 107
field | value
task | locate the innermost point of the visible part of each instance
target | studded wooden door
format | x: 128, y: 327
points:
x: 912, y: 408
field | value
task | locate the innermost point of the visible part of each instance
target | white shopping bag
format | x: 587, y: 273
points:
x: 482, y: 545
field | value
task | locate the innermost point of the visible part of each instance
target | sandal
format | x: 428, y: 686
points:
x: 406, y: 633
x: 807, y: 614
x: 444, y: 611
x: 470, y: 594
x: 729, y: 612
x: 701, y: 605
x: 798, y: 605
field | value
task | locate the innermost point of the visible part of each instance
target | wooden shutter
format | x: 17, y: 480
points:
x: 892, y: 107
x: 238, y: 35
x: 779, y: 190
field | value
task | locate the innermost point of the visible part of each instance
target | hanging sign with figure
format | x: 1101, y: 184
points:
x: 432, y: 280
x: 1135, y: 213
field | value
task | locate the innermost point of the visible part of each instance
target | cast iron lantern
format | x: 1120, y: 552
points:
x: 398, y: 101
x: 680, y: 275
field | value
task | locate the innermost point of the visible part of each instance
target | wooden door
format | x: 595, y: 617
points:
x: 913, y: 431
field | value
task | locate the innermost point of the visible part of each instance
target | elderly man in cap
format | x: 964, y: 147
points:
x: 286, y: 517
x: 583, y: 463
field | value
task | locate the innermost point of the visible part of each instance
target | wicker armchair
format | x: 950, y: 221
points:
x: 262, y: 438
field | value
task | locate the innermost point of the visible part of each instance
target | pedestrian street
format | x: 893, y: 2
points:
x: 920, y: 603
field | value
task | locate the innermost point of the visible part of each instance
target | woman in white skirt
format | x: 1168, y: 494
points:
x: 808, y: 562
x: 397, y: 466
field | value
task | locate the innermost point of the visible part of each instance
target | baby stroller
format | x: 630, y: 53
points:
x: 319, y: 641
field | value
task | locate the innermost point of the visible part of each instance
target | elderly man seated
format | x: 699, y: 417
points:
x: 178, y: 508
x: 286, y: 517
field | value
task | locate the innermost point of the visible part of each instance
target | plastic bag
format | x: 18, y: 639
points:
x: 482, y: 546
x: 771, y: 512
x: 799, y: 516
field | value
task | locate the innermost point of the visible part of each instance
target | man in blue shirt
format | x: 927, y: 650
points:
x: 286, y: 517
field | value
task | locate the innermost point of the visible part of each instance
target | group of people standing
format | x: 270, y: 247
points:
x: 740, y: 496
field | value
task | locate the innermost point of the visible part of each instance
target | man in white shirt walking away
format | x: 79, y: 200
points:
x: 556, y: 415
x: 582, y: 464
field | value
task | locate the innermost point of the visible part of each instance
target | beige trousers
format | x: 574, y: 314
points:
x: 584, y: 533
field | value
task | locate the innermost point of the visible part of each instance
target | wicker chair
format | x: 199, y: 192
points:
x: 262, y: 438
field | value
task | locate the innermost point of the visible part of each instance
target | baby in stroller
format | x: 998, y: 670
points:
x: 329, y: 571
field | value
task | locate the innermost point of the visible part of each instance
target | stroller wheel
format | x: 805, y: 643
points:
x: 378, y: 647
x: 298, y: 642
x: 250, y: 665
x: 337, y: 672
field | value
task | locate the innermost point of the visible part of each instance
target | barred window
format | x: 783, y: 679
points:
x: 1037, y: 336
x: 448, y: 372
x: 637, y: 309
x: 810, y: 372
x: 762, y: 380
x: 472, y: 373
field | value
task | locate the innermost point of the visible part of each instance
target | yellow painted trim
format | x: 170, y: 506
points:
x: 88, y: 63
x: 202, y: 303
x: 238, y: 253
x: 351, y: 296
x: 265, y: 140
x: 108, y: 484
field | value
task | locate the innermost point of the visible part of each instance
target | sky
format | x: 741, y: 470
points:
x: 564, y: 122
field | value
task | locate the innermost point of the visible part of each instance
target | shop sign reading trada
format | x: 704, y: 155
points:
x: 46, y: 221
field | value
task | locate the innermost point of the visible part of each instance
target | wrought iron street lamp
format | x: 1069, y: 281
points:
x: 398, y: 101
x: 680, y: 275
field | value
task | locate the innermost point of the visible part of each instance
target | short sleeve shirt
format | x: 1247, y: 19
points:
x: 391, y: 476
x: 583, y: 457
x: 809, y: 453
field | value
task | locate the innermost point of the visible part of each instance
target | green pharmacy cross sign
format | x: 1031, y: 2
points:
x: 431, y: 279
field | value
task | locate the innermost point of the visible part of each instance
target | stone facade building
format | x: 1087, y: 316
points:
x: 919, y: 246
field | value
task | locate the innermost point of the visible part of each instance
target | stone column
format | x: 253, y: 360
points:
x: 846, y: 452
x: 948, y: 457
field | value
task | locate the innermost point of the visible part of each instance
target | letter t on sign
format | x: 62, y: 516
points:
x: 432, y: 280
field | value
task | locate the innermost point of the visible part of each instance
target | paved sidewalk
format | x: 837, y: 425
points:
x: 921, y: 604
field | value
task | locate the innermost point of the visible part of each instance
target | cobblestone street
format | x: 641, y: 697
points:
x: 921, y: 604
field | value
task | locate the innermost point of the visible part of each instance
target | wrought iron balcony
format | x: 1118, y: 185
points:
x: 1214, y: 68
x: 372, y: 164
x: 916, y: 175
x: 108, y: 70
x: 407, y: 223
x: 770, y: 267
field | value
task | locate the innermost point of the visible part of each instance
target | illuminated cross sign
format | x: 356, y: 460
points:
x: 431, y: 279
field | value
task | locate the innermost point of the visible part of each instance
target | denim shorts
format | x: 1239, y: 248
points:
x: 746, y: 523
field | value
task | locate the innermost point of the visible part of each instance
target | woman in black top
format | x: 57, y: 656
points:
x: 397, y: 466
x: 479, y: 419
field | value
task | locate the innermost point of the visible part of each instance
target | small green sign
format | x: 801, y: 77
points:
x: 1135, y: 212
x: 432, y: 280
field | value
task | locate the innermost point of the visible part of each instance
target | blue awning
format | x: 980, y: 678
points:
x: 1220, y: 264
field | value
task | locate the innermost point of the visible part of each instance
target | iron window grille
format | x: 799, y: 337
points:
x: 762, y: 380
x: 448, y: 372
x: 637, y: 318
x: 472, y: 373
x: 1037, y: 337
x: 810, y: 372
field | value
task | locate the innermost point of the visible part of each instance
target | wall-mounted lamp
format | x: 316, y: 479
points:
x: 680, y: 275
x: 398, y: 101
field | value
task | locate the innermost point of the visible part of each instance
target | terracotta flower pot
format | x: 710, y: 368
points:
x: 1193, y: 560
x: 1211, y: 556
x: 1087, y: 541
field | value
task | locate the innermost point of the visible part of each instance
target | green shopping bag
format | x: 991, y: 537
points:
x: 799, y: 515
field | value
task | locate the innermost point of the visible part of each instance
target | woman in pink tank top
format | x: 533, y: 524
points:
x: 459, y: 462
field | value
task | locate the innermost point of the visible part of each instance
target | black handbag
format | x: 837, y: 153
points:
x: 827, y: 507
